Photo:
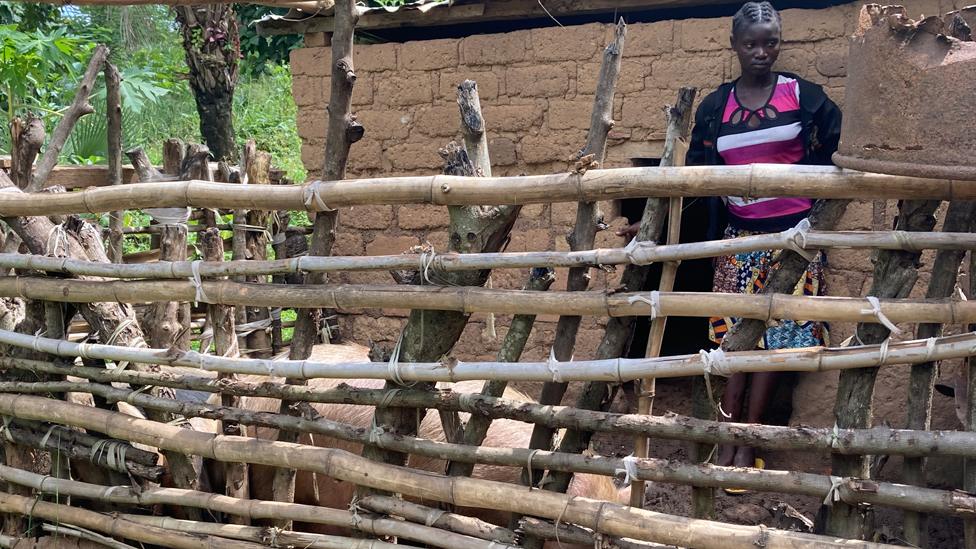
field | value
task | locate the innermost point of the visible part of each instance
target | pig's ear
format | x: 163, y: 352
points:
x: 946, y: 390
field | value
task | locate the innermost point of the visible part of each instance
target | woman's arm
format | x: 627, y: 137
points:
x: 697, y: 154
x: 827, y: 121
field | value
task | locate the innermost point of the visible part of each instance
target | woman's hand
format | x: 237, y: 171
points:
x: 630, y: 231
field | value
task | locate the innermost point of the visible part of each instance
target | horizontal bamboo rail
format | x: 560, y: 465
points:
x: 604, y: 517
x: 768, y: 307
x: 640, y: 253
x: 248, y: 508
x: 569, y: 533
x: 115, y: 526
x: 268, y: 537
x: 758, y: 180
x: 437, y: 518
x: 156, y: 229
x: 848, y: 490
x: 809, y: 359
x: 876, y: 440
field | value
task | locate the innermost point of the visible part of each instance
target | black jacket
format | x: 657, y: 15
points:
x: 820, y: 120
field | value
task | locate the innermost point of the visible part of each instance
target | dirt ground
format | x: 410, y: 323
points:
x: 770, y: 509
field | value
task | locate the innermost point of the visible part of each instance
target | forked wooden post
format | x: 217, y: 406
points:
x: 113, y: 110
x: 342, y: 132
x: 679, y: 124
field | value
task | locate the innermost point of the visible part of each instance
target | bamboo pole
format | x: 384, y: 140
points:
x: 765, y: 307
x: 756, y: 180
x: 273, y: 537
x: 605, y: 517
x: 679, y: 124
x: 942, y: 284
x: 876, y: 440
x: 639, y: 253
x: 847, y: 490
x: 618, y: 370
x: 438, y: 518
x: 115, y: 526
x: 246, y: 508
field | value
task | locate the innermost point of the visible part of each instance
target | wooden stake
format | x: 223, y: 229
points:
x: 895, y: 274
x: 113, y: 110
x: 942, y: 284
x: 679, y: 124
x: 587, y: 223
x: 343, y: 130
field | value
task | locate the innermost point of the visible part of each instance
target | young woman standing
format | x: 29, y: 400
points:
x: 767, y: 117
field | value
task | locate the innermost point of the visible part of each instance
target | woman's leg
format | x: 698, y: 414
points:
x: 760, y: 391
x: 735, y: 389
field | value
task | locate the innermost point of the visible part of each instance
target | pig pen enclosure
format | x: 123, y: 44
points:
x: 161, y: 402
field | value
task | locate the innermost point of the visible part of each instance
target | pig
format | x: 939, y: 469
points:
x: 338, y: 494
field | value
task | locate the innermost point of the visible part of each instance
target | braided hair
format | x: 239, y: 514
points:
x: 754, y: 12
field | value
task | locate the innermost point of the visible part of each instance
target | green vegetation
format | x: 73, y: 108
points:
x: 44, y: 49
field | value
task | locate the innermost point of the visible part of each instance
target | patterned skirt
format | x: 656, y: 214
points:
x: 747, y: 273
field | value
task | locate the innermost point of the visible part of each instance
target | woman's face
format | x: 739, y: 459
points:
x: 757, y: 46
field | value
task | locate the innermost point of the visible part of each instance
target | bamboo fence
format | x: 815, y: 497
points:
x: 603, y: 517
x: 640, y: 253
x: 875, y: 440
x: 758, y: 180
x: 345, y: 297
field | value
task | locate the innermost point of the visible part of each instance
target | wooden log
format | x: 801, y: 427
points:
x: 679, y: 125
x: 114, y: 525
x: 477, y: 426
x: 756, y: 180
x: 113, y: 114
x: 876, y: 440
x: 438, y: 518
x: 640, y: 253
x: 921, y: 387
x: 895, y: 274
x: 79, y: 107
x: 574, y: 534
x: 969, y: 465
x: 588, y: 220
x: 605, y: 517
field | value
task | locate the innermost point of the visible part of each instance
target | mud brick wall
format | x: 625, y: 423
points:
x: 537, y: 90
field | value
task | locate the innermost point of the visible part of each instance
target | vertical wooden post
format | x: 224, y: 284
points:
x: 945, y: 270
x: 257, y: 168
x: 113, y: 110
x: 895, y: 273
x: 587, y: 221
x: 969, y: 465
x: 679, y: 125
x: 343, y: 131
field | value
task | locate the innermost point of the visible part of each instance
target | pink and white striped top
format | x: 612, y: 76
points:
x: 768, y: 135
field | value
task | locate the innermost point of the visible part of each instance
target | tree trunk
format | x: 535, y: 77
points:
x: 518, y: 334
x: 587, y: 221
x: 211, y: 42
x: 945, y: 271
x: 895, y: 273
